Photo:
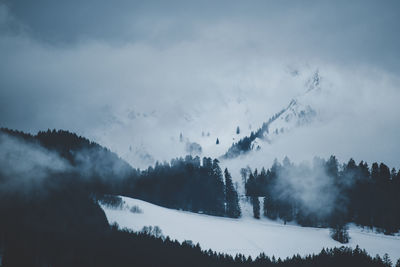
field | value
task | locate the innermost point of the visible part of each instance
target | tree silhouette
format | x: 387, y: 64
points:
x: 232, y: 200
x: 256, y: 207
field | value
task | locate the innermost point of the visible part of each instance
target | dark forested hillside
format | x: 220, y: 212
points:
x: 66, y: 227
x: 327, y: 194
x: 187, y: 184
x: 50, y: 185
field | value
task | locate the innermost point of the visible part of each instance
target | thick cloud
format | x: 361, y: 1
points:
x: 133, y: 76
x: 356, y: 32
x: 23, y: 165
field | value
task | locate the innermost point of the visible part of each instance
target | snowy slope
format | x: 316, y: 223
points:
x: 302, y: 114
x: 298, y: 113
x: 245, y: 235
x: 149, y: 131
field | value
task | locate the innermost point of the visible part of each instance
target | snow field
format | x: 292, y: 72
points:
x: 245, y: 235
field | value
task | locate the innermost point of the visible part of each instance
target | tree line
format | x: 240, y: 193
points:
x: 189, y: 184
x: 57, y: 220
x: 186, y: 183
x: 65, y: 226
x: 367, y: 196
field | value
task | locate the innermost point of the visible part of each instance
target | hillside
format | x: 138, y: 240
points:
x: 299, y: 112
x: 245, y: 235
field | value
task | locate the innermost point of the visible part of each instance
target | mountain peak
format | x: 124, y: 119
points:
x: 314, y: 82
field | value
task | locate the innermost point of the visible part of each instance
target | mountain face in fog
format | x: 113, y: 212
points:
x: 136, y: 80
x: 299, y: 113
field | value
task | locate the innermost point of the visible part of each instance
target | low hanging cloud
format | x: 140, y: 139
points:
x: 133, y: 76
x: 24, y: 165
x: 27, y: 166
x: 310, y: 186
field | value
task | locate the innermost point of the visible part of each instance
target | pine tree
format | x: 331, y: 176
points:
x: 375, y: 171
x: 237, y: 130
x: 243, y: 173
x: 286, y: 162
x: 219, y: 194
x: 251, y: 186
x: 261, y: 181
x: 339, y: 233
x: 384, y: 172
x: 386, y: 260
x: 256, y: 207
x: 270, y: 208
x: 265, y: 206
x: 332, y: 167
x: 217, y: 142
x: 232, y: 200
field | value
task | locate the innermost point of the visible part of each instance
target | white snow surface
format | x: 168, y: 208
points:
x: 245, y: 235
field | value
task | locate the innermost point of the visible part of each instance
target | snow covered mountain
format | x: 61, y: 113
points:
x: 298, y: 113
x: 245, y: 235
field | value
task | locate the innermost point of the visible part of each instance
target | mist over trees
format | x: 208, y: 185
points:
x: 188, y: 184
x: 329, y: 195
x: 50, y: 213
x: 324, y: 194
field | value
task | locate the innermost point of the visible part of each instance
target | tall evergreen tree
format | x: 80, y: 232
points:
x: 332, y: 167
x: 270, y: 208
x: 375, y: 171
x: 243, y: 173
x: 256, y: 207
x: 265, y: 206
x: 251, y: 186
x: 339, y: 233
x: 232, y: 200
x: 219, y: 194
x: 384, y: 173
x: 261, y: 181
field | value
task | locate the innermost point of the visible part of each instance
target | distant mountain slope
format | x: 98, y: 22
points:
x: 298, y: 113
x: 245, y: 235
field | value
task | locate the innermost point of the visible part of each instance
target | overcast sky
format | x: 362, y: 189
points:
x: 129, y: 73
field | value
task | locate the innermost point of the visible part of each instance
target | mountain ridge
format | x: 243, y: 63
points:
x: 296, y: 114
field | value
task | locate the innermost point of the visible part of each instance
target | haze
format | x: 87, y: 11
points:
x: 134, y: 75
